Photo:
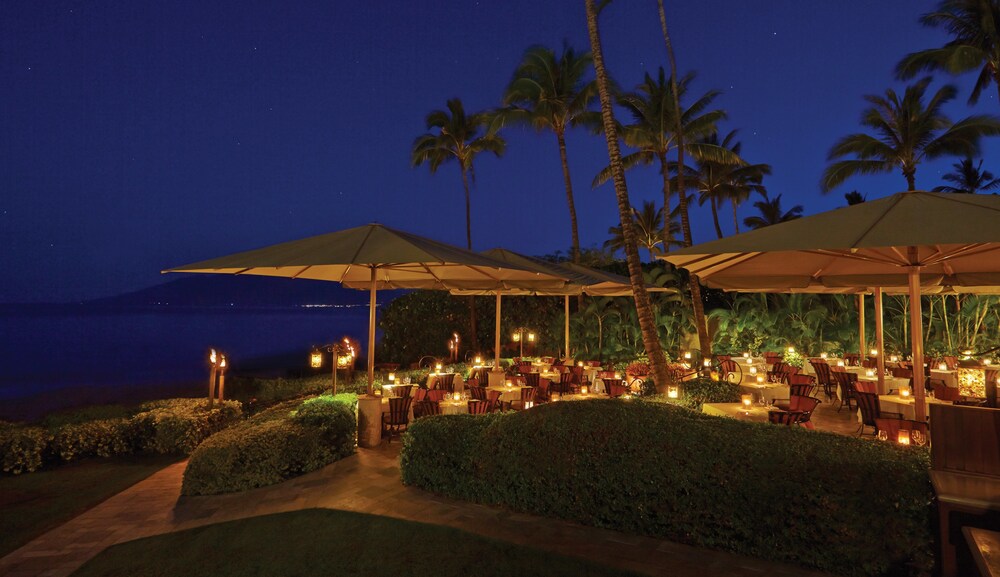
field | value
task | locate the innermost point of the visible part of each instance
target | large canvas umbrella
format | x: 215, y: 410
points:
x: 914, y: 242
x: 580, y: 280
x: 377, y: 257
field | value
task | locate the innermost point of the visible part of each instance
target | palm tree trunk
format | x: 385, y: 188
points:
x: 911, y: 180
x: 569, y: 196
x: 643, y: 306
x: 473, y: 333
x: 715, y: 217
x: 696, y: 301
x: 736, y: 220
x: 666, y: 202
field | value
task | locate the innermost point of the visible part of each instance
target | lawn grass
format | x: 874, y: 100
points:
x: 33, y: 503
x: 322, y: 542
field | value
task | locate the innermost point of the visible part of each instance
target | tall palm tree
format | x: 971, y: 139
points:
x: 717, y: 182
x: 653, y: 134
x: 855, y: 197
x: 907, y: 133
x: 457, y: 138
x: 974, y: 26
x: 968, y: 177
x: 552, y: 93
x: 643, y: 305
x: 648, y: 223
x: 771, y: 213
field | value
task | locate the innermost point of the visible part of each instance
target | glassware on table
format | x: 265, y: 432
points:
x: 883, y: 435
x: 918, y: 438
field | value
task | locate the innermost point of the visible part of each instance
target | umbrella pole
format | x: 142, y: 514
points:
x: 566, y: 307
x: 861, y: 326
x: 879, y: 343
x: 371, y: 333
x: 917, y: 341
x: 496, y: 341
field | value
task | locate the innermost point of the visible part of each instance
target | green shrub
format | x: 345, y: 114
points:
x: 100, y: 438
x: 282, y: 442
x: 23, y: 449
x: 696, y: 392
x: 782, y: 493
x: 86, y: 414
x: 180, y: 425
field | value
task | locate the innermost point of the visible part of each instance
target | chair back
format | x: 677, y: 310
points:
x: 771, y: 357
x: 493, y: 401
x: 542, y: 391
x: 419, y: 395
x: 945, y: 393
x: 866, y: 386
x: 436, y: 395
x: 446, y: 382
x: 426, y: 408
x: 531, y: 379
x: 870, y: 410
x: 852, y: 359
x: 524, y: 367
x: 477, y: 407
x: 482, y: 376
x: 729, y: 367
x: 951, y: 361
x: 965, y: 439
x: 576, y: 373
x: 784, y: 417
x: 527, y: 396
x: 478, y: 393
x: 615, y: 388
x: 797, y: 379
x: 723, y: 358
x: 399, y: 410
x: 403, y: 390
x: 893, y: 426
x: 902, y: 373
x: 803, y: 404
x: 822, y: 371
x: 801, y: 389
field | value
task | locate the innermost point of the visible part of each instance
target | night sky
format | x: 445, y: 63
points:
x: 139, y: 135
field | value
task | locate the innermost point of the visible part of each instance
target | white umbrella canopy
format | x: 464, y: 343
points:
x: 580, y: 280
x: 915, y: 242
x: 376, y: 257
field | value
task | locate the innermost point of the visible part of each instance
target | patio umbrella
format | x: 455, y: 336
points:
x: 914, y: 242
x: 376, y: 257
x: 580, y: 280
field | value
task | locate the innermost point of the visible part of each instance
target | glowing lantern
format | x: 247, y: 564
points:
x: 672, y: 392
x: 753, y: 370
x: 479, y: 360
x: 583, y: 390
x: 747, y: 400
x: 618, y: 376
x: 823, y: 356
x: 392, y: 377
x: 894, y: 358
x: 904, y: 392
x: 707, y: 362
x: 531, y: 337
x: 438, y: 367
x: 746, y: 355
x: 456, y: 396
x: 517, y: 337
x: 315, y: 359
x: 791, y: 349
x: 869, y: 373
x: 509, y: 383
x: 840, y: 363
x: 942, y: 366
x: 687, y: 355
x: 903, y: 437
x: 760, y: 379
x: 873, y: 352
x: 579, y: 364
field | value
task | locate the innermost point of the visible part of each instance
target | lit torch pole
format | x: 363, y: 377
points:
x: 222, y: 378
x: 212, y: 360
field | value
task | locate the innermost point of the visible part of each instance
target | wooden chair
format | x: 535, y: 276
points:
x: 846, y: 382
x: 871, y: 411
x: 477, y: 407
x: 524, y: 367
x: 788, y: 418
x: 531, y: 379
x: 615, y: 389
x: 478, y: 393
x: 777, y: 373
x: 565, y: 384
x: 527, y: 396
x: 398, y: 418
x: 943, y: 392
x: 436, y: 395
x: 805, y: 406
x: 446, y: 382
x: 542, y: 392
x: 951, y: 361
x: 426, y: 408
x: 419, y: 395
x: 771, y: 357
x: 493, y: 402
x: 852, y: 359
x: 965, y: 473
x: 730, y: 370
x: 610, y: 382
x: 902, y: 373
x: 577, y: 376
x: 823, y: 377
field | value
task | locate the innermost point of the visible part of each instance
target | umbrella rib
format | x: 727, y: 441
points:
x: 740, y: 258
x: 304, y: 269
x: 966, y: 250
x: 854, y: 256
x: 241, y: 271
x: 885, y: 212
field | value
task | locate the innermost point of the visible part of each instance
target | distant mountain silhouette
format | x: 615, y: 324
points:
x: 243, y: 291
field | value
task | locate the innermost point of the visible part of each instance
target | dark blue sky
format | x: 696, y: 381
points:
x: 139, y: 135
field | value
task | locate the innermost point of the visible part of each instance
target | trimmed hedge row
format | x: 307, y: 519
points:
x: 780, y: 493
x: 166, y: 426
x: 282, y: 442
x: 694, y: 393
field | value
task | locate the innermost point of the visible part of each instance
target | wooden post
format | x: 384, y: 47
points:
x: 879, y: 343
x: 862, y: 350
x: 371, y: 332
x: 496, y: 344
x: 211, y: 382
x: 566, y: 308
x: 917, y: 339
x: 222, y: 379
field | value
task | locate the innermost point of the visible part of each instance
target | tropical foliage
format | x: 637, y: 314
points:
x: 770, y: 212
x: 969, y: 178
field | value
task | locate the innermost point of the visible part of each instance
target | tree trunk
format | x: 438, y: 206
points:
x: 643, y: 306
x: 569, y: 196
x: 667, y: 238
x: 696, y: 301
x: 715, y: 217
x: 911, y: 180
x: 473, y: 333
x: 736, y: 219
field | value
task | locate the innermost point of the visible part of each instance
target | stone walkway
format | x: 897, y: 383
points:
x: 367, y: 482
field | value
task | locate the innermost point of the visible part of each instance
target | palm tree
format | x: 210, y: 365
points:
x: 643, y: 305
x: 855, y: 197
x: 968, y: 178
x: 974, y: 26
x: 908, y: 132
x: 648, y: 223
x: 771, y: 213
x: 551, y: 93
x: 653, y: 134
x: 716, y: 182
x: 457, y: 138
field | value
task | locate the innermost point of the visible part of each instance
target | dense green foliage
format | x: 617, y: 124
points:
x: 171, y: 426
x: 775, y: 492
x: 694, y: 393
x: 33, y: 504
x: 284, y: 441
x: 322, y: 542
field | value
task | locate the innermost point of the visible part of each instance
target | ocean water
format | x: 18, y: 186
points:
x: 45, y: 350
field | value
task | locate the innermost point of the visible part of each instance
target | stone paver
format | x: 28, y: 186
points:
x: 367, y: 482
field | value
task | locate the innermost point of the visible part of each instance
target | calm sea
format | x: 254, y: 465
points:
x: 46, y: 351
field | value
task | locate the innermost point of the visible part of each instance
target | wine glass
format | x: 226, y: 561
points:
x: 883, y: 435
x: 918, y: 438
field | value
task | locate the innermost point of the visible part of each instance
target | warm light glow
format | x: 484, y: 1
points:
x: 438, y: 367
x: 479, y: 360
x: 904, y: 437
x: 987, y: 362
x: 746, y: 355
x: 456, y: 396
x: 894, y: 358
x: 451, y: 345
x: 315, y: 359
x: 392, y: 377
x: 823, y: 356
x: 344, y: 361
x: 517, y: 337
x: 967, y: 352
x: 791, y: 349
x: 618, y: 376
x: 222, y: 361
x: 760, y: 379
x: 508, y: 383
x: 583, y: 390
x: 707, y: 362
x: 579, y: 364
x: 531, y: 337
x: 528, y: 404
x: 904, y: 392
x: 869, y: 373
x: 455, y: 335
x: 672, y: 392
x: 212, y: 356
x: 747, y: 400
x: 971, y: 382
x: 753, y: 370
x: 840, y: 363
x: 873, y: 352
x: 942, y: 366
x: 687, y: 355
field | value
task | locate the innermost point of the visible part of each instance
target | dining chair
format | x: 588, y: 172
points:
x: 398, y: 418
x: 436, y: 395
x: 477, y: 407
x: 870, y: 411
x: 788, y: 418
x: 531, y: 379
x: 478, y: 392
x: 943, y: 392
x: 446, y: 382
x: 823, y: 377
x: 846, y: 382
x: 493, y: 403
x: 426, y: 408
x: 893, y: 426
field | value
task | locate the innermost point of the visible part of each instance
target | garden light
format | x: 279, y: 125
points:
x: 316, y: 359
x: 672, y: 392
x: 583, y: 390
x: 392, y: 377
x: 903, y: 438
x: 904, y: 392
x: 456, y: 396
x: 747, y: 400
x: 942, y: 366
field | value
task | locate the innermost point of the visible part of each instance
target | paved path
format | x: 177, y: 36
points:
x: 367, y: 482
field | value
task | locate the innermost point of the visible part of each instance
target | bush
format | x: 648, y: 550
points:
x: 23, y: 448
x: 86, y: 414
x: 100, y: 438
x: 180, y: 425
x: 283, y: 442
x: 696, y: 392
x: 786, y: 494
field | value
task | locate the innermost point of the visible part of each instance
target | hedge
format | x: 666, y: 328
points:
x: 696, y: 392
x: 283, y: 442
x: 166, y: 426
x: 780, y: 493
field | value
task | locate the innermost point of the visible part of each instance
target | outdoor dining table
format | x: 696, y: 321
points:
x: 950, y: 378
x: 453, y: 407
x: 755, y: 413
x: 889, y: 383
x: 770, y: 391
x: 903, y: 405
x: 748, y: 378
x: 507, y: 394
